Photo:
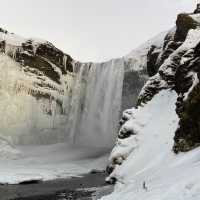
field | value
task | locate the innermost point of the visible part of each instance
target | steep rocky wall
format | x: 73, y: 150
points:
x: 187, y: 135
x: 169, y: 59
x: 175, y: 67
x: 179, y: 70
x: 43, y: 61
x: 68, y: 99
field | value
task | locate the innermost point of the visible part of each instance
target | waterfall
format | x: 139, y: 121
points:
x: 87, y: 115
x: 95, y: 104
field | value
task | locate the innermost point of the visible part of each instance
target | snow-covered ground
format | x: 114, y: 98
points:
x: 47, y: 162
x: 152, y: 171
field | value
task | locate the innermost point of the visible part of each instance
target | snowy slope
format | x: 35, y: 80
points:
x: 152, y: 171
x: 146, y: 161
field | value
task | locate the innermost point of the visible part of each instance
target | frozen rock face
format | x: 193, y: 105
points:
x: 175, y: 67
x: 178, y: 42
x: 166, y: 121
x: 139, y: 66
x: 47, y: 97
x: 180, y: 72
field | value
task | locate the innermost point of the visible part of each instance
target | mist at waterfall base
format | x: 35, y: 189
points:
x: 40, y: 139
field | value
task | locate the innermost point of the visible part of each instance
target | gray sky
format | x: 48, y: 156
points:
x: 92, y: 30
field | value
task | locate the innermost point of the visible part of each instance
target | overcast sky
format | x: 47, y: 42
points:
x: 92, y: 30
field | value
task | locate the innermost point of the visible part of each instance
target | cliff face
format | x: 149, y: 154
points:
x: 65, y: 94
x: 176, y: 44
x: 44, y: 61
x: 175, y: 66
x: 38, y: 59
x: 179, y: 70
x: 165, y: 121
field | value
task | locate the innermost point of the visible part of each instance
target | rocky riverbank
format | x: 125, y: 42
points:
x: 89, y: 186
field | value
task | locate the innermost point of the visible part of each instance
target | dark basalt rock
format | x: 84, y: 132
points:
x: 3, y: 31
x: 37, y: 62
x: 197, y: 10
x: 47, y: 50
x: 170, y: 45
x: 163, y: 79
x: 110, y: 168
x: 177, y: 74
x: 184, y: 23
x: 187, y: 136
x: 125, y: 134
x: 174, y: 39
x: 183, y: 80
x: 41, y: 56
x: 152, y: 58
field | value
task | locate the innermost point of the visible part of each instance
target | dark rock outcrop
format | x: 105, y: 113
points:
x: 40, y: 55
x: 197, y: 10
x: 178, y: 67
x: 152, y: 58
x: 41, y: 61
x: 169, y: 59
x: 187, y: 135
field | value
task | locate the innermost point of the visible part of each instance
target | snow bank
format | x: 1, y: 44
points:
x: 47, y: 162
x: 152, y: 171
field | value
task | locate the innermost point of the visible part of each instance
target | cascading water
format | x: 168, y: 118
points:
x: 59, y: 117
x: 58, y: 130
x: 95, y: 104
x: 63, y: 125
x: 87, y: 117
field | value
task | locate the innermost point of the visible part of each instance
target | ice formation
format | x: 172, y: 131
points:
x: 59, y: 116
x: 85, y: 121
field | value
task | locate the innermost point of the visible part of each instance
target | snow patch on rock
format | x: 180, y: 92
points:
x: 152, y: 171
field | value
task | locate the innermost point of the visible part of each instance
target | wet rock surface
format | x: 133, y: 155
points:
x: 61, y: 189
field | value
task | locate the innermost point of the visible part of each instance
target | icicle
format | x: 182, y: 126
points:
x: 65, y: 62
x: 12, y: 50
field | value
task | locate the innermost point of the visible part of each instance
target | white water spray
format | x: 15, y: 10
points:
x: 96, y: 103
